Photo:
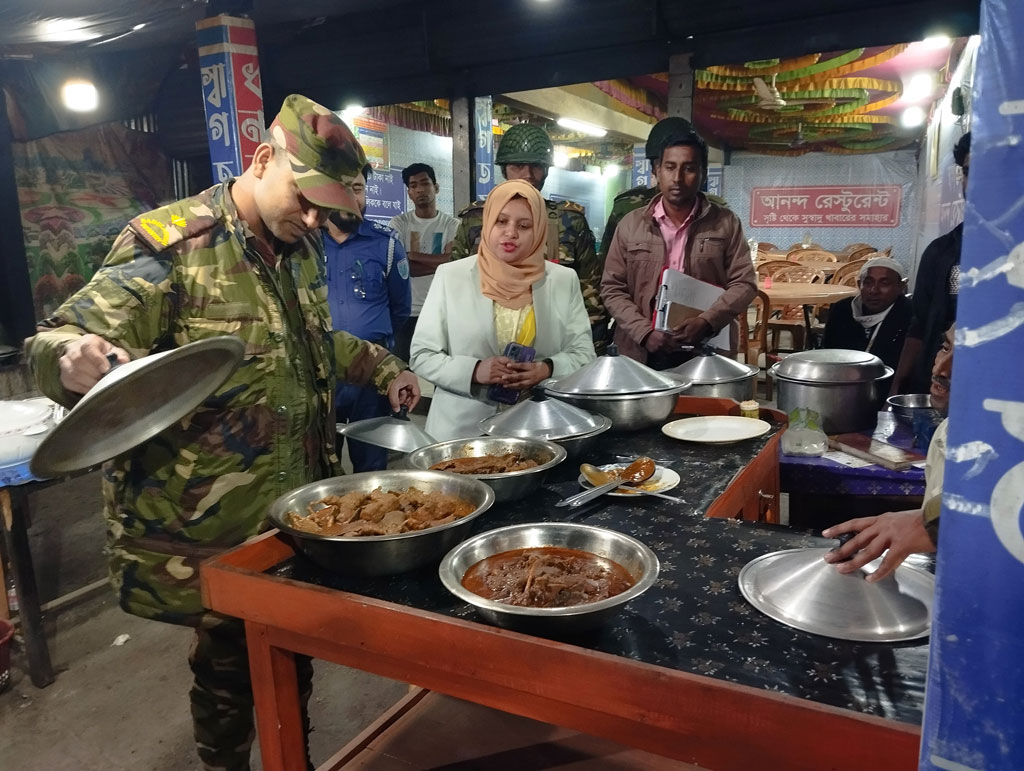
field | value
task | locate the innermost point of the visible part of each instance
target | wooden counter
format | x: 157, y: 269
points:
x: 687, y: 671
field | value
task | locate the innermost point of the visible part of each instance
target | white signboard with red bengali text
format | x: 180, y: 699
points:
x: 850, y: 206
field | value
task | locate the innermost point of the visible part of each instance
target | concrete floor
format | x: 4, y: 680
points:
x: 126, y: 707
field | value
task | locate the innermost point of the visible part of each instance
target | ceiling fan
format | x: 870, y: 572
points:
x: 769, y: 98
x: 798, y: 140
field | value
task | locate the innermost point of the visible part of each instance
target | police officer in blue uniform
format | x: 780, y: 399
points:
x: 368, y: 291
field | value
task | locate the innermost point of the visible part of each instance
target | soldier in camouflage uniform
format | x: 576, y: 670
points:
x: 244, y: 259
x: 638, y: 197
x: 526, y: 153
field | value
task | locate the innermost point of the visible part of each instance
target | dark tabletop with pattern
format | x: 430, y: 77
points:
x: 694, y: 618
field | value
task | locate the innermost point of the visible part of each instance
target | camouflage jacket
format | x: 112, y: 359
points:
x: 182, y: 273
x: 624, y: 203
x: 570, y: 243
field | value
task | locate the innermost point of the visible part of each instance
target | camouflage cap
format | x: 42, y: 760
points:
x: 324, y: 154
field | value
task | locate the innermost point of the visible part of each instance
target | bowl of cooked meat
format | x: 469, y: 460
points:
x: 555, y: 578
x: 514, y: 467
x: 380, y: 523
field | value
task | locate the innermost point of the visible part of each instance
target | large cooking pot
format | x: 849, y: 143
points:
x: 711, y: 374
x: 845, y: 387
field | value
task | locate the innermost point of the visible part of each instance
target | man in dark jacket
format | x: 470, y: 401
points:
x: 935, y: 292
x: 875, y: 320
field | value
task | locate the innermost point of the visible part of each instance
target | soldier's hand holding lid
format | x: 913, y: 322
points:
x: 84, y: 362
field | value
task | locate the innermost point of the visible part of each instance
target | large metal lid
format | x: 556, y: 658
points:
x: 541, y: 417
x: 798, y: 588
x: 394, y: 432
x: 832, y: 365
x: 709, y: 368
x: 613, y: 374
x: 134, y: 402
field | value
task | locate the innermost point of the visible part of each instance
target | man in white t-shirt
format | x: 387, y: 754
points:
x: 427, y: 235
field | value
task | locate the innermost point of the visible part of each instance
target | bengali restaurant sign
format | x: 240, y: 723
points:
x: 851, y: 206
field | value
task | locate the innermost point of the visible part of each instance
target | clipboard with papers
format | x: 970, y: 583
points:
x: 681, y: 297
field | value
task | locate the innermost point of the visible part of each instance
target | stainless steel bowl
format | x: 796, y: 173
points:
x: 381, y: 555
x: 507, y: 487
x: 578, y: 446
x: 635, y: 557
x: 905, y: 406
x: 629, y: 412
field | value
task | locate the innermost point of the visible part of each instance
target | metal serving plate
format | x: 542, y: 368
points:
x: 798, y: 588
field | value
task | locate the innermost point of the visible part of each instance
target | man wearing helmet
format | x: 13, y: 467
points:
x: 526, y: 153
x: 640, y: 196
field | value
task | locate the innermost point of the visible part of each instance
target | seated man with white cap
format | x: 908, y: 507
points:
x: 877, y: 318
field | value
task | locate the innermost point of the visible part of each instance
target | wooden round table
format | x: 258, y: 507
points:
x: 808, y: 295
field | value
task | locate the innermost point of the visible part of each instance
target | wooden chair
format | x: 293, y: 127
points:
x: 793, y: 247
x: 851, y: 268
x: 768, y: 268
x: 814, y: 255
x: 799, y: 273
x: 764, y: 246
x: 859, y: 254
x: 753, y: 339
x: 851, y: 248
x: 792, y: 318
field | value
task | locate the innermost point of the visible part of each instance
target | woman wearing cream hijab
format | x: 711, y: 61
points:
x: 505, y: 293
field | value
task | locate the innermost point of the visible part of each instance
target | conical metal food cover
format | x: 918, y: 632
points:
x: 393, y: 432
x: 136, y: 401
x: 798, y: 588
x: 542, y: 418
x: 613, y: 374
x: 713, y: 368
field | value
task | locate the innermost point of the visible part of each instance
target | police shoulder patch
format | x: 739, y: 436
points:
x: 403, y: 268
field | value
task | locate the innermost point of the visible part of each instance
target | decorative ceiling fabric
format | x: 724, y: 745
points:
x: 840, y: 102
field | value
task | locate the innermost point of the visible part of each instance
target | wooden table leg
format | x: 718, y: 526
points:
x: 14, y: 502
x: 275, y: 690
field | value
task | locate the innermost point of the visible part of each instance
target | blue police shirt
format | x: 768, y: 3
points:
x: 365, y: 298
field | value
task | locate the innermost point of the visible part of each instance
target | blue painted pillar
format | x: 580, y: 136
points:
x: 974, y: 707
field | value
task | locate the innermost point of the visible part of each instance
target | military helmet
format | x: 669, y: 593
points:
x: 661, y: 131
x: 525, y: 143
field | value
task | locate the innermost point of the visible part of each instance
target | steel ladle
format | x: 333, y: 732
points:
x: 635, y: 473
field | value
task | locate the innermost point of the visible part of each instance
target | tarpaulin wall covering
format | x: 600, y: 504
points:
x: 77, y: 190
x: 747, y: 171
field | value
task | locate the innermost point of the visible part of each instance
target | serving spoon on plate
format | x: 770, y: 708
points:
x: 636, y: 473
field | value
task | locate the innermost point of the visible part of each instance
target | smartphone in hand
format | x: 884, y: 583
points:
x: 515, y: 352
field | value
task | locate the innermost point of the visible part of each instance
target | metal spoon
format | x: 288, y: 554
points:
x: 635, y: 473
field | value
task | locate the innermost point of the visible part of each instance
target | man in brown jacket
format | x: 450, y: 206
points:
x: 680, y: 229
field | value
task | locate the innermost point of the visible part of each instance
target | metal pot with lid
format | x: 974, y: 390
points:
x: 632, y: 395
x: 714, y: 375
x: 544, y: 417
x: 798, y: 588
x: 845, y: 387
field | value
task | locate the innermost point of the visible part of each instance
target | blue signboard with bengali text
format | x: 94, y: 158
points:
x: 385, y: 195
x: 483, y: 154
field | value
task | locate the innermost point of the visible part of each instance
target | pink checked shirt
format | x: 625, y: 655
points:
x: 675, y: 237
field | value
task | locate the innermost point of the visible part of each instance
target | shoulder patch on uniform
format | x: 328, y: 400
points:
x: 570, y: 206
x: 171, y: 224
x: 477, y: 204
x: 403, y: 268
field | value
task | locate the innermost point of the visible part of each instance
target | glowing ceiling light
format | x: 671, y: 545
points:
x: 351, y: 111
x: 611, y: 169
x: 934, y: 42
x: 79, y: 96
x: 561, y: 159
x: 66, y: 31
x: 920, y: 86
x: 912, y: 117
x: 582, y: 126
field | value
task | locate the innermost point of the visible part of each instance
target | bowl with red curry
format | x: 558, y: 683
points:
x: 551, y: 578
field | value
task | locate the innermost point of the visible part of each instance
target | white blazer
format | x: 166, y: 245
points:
x: 456, y: 330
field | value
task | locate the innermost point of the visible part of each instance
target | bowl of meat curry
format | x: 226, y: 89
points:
x: 513, y: 467
x: 381, y: 523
